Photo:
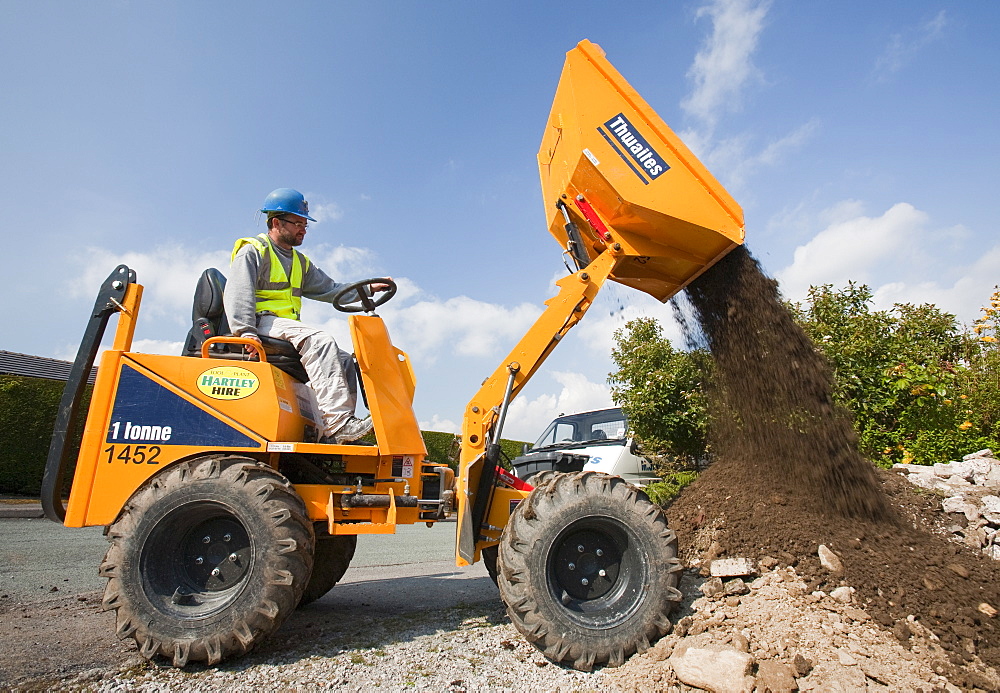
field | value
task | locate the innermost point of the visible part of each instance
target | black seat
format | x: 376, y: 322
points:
x: 209, y: 320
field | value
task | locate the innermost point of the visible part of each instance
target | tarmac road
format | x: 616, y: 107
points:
x: 411, y: 570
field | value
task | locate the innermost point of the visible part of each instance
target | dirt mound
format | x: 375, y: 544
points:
x: 788, y: 478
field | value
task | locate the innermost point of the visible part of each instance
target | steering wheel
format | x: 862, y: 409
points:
x: 368, y: 305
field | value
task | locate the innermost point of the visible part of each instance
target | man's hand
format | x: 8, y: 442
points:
x: 380, y: 287
x: 251, y: 351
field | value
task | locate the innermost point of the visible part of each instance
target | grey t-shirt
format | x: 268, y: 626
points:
x: 240, y: 295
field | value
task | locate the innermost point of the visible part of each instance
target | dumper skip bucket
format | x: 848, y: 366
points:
x: 624, y: 176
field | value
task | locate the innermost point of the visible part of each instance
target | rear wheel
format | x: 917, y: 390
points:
x: 207, y: 559
x: 589, y: 569
x: 331, y: 560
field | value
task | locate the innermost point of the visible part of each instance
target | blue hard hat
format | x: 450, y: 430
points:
x: 286, y: 201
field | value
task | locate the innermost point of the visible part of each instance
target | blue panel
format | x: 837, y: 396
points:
x: 147, y: 412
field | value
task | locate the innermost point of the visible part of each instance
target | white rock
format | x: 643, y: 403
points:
x: 843, y: 594
x: 846, y: 659
x: 992, y: 479
x: 993, y: 552
x: 981, y: 453
x: 991, y: 509
x: 731, y: 567
x: 929, y: 482
x: 829, y: 560
x: 946, y: 470
x: 714, y: 668
x: 958, y: 504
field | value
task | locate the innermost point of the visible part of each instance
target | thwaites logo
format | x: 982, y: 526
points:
x: 633, y: 148
x: 228, y: 382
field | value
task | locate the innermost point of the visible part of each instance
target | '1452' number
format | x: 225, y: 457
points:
x: 136, y: 454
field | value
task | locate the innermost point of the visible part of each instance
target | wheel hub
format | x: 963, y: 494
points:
x: 586, y: 565
x: 216, y: 554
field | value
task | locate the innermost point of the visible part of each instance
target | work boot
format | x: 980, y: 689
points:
x: 353, y: 429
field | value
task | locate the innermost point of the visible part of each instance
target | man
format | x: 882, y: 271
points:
x: 263, y: 296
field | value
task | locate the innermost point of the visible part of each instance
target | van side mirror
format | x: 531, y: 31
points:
x: 524, y: 448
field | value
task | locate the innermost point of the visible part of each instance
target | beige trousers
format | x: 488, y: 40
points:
x: 330, y: 368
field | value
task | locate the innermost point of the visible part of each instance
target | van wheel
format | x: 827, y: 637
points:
x: 489, y: 555
x: 330, y: 561
x: 589, y: 569
x: 207, y: 559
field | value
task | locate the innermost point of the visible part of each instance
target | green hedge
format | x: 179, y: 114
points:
x: 28, y: 409
x: 441, y: 447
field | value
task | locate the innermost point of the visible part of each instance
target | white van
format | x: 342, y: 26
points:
x: 589, y: 441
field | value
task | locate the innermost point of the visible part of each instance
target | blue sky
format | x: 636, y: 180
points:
x: 860, y: 138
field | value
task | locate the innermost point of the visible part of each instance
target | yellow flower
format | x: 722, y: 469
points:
x: 965, y: 426
x: 947, y: 401
x: 988, y: 338
x: 963, y: 397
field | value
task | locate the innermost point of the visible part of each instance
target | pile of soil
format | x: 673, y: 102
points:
x: 787, y: 477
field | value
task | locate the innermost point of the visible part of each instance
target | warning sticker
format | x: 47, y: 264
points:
x: 407, y: 467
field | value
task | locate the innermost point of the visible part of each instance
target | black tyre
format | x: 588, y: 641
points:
x: 589, y: 569
x: 331, y: 559
x: 207, y: 560
x: 489, y: 555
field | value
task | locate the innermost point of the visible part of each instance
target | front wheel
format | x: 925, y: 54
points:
x: 589, y: 569
x: 207, y: 559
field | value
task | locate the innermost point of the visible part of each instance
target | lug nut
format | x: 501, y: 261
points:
x: 584, y: 582
x: 580, y: 548
x: 599, y: 553
x: 572, y: 566
x: 216, y: 572
x: 206, y: 539
x: 227, y: 537
x: 199, y: 560
x: 233, y: 557
x: 602, y: 573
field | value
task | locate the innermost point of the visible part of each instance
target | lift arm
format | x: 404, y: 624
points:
x: 627, y: 201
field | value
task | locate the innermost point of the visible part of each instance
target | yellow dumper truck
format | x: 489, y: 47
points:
x: 224, y: 513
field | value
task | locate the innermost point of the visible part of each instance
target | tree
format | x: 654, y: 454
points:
x: 661, y: 392
x: 901, y: 372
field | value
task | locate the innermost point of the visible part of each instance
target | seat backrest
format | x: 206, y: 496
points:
x: 208, y: 300
x: 208, y: 313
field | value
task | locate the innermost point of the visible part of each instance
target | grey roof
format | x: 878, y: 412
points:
x: 12, y: 363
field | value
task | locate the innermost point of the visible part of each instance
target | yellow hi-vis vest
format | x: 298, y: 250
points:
x: 277, y: 294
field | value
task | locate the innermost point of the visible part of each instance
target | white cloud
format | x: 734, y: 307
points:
x: 723, y: 66
x: 329, y: 211
x: 168, y: 274
x: 344, y: 263
x: 459, y: 326
x: 735, y: 158
x: 904, y: 45
x: 527, y: 418
x: 436, y: 423
x: 157, y: 346
x: 902, y: 255
x: 597, y: 330
x: 722, y: 71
